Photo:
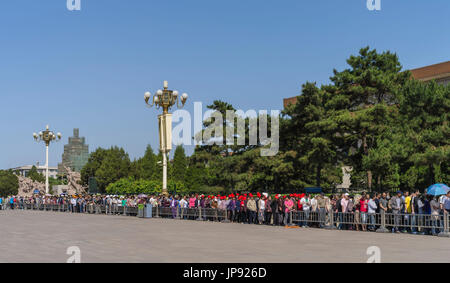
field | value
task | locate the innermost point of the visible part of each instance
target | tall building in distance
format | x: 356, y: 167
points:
x: 76, y: 154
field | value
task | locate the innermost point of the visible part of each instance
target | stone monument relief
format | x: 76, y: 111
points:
x: 28, y: 186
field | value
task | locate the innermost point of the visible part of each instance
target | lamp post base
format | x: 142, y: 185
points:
x: 382, y: 230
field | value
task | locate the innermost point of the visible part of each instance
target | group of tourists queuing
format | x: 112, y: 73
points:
x: 405, y: 212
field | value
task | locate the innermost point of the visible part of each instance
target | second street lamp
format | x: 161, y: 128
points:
x: 46, y: 136
x: 165, y: 99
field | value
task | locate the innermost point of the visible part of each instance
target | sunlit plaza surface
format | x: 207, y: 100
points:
x: 33, y: 236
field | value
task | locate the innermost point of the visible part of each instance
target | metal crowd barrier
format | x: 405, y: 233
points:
x: 379, y: 222
x: 436, y: 224
x: 199, y: 214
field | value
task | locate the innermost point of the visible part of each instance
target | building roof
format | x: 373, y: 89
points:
x: 29, y: 167
x: 436, y: 71
x: 427, y: 73
x: 291, y: 100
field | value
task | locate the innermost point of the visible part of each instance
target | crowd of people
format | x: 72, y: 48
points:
x: 403, y: 212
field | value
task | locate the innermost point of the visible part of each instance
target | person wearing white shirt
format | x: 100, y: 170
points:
x: 262, y: 207
x: 119, y: 205
x: 114, y: 205
x: 372, y: 209
x: 306, y: 205
x: 183, y: 202
x: 153, y: 201
x: 442, y: 201
x: 183, y: 206
x: 73, y: 204
x: 314, y: 204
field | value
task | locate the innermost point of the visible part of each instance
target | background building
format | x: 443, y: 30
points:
x: 439, y: 72
x: 25, y: 170
x: 76, y: 154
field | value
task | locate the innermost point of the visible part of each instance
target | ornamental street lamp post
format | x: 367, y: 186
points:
x: 165, y: 99
x: 46, y: 136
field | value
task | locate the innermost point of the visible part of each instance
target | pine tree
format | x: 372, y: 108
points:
x: 9, y: 183
x: 94, y: 162
x: 363, y: 99
x: 424, y: 117
x: 35, y: 175
x: 179, y: 166
x: 313, y: 137
x: 209, y: 146
x: 114, y: 166
x: 147, y: 165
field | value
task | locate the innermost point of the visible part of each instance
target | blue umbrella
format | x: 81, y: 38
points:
x: 437, y: 190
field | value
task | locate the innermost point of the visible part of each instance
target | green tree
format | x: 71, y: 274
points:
x: 211, y: 146
x: 314, y: 137
x: 196, y: 178
x: 222, y: 165
x: 146, y: 166
x: 35, y: 175
x: 127, y: 186
x: 107, y: 166
x: 179, y: 166
x: 159, y: 169
x: 382, y: 162
x: 424, y: 119
x: 115, y: 166
x: 177, y: 187
x: 55, y: 182
x: 9, y: 183
x: 95, y: 161
x: 392, y: 130
x: 362, y: 101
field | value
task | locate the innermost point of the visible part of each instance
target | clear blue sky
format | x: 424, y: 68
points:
x: 90, y: 69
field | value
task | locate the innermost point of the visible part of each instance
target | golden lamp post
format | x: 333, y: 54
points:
x: 165, y: 99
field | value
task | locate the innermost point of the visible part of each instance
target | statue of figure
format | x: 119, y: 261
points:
x: 73, y: 181
x: 28, y: 186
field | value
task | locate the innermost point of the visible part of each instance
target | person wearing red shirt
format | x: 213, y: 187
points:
x: 289, y: 206
x: 364, y: 204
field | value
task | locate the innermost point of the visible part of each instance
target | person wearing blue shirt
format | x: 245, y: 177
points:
x: 237, y: 208
x: 1, y: 203
x: 11, y: 202
x: 446, y: 202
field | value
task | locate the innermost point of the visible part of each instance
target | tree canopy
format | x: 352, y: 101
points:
x: 35, y: 175
x: 392, y: 130
x: 107, y: 166
x: 9, y: 184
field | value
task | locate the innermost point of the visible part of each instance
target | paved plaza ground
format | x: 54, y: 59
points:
x: 33, y: 236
